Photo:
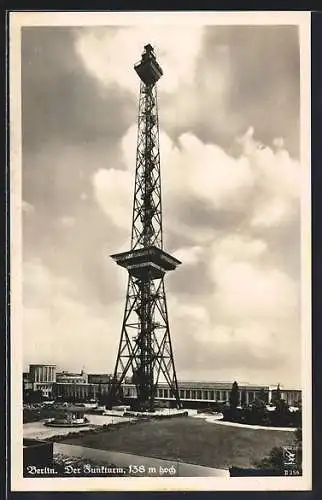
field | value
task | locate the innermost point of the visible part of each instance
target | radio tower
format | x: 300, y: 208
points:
x: 145, y: 349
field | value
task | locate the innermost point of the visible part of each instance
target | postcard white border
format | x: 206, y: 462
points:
x: 16, y: 21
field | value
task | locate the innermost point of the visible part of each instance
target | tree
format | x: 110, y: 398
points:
x: 275, y: 461
x: 282, y: 413
x: 33, y: 396
x: 282, y: 407
x: 258, y: 412
x: 262, y: 395
x: 100, y: 394
x: 277, y: 395
x: 234, y: 396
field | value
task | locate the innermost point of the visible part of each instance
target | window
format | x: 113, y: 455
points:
x: 188, y: 395
x: 205, y: 395
x: 217, y: 395
x: 193, y: 395
x: 212, y: 395
x: 181, y: 393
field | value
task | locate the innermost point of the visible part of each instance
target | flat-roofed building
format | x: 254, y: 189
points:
x: 72, y: 378
x: 82, y: 392
x: 99, y: 378
x: 42, y: 378
x: 82, y: 386
x: 205, y: 392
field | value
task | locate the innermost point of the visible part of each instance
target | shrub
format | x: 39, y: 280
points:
x: 257, y: 414
x: 273, y: 462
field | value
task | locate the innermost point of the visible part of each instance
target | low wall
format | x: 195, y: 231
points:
x: 38, y: 453
x: 151, y: 466
x: 156, y: 415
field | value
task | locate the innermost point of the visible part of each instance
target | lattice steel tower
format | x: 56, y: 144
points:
x: 145, y: 349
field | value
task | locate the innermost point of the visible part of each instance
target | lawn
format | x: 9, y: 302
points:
x: 190, y: 440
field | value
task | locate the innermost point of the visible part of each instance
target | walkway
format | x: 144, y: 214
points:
x: 149, y: 466
x: 217, y: 419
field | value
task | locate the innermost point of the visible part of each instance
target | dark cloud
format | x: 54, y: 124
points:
x: 80, y: 251
x: 200, y: 214
x: 193, y: 279
x: 284, y: 251
x: 70, y: 130
x: 262, y: 88
x: 60, y: 101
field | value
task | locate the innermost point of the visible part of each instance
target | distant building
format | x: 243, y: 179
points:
x: 72, y: 378
x: 42, y: 378
x: 82, y: 386
x: 197, y: 393
x: 99, y: 378
x: 191, y: 393
x: 293, y: 397
x: 205, y: 392
x: 26, y: 382
x: 81, y: 392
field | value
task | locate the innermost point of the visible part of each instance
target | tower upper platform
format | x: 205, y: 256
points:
x: 146, y: 263
x: 148, y: 68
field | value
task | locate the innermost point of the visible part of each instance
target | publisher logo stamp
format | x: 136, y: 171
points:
x: 291, y: 460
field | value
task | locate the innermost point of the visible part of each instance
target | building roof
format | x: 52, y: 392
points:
x: 42, y: 364
x: 216, y: 385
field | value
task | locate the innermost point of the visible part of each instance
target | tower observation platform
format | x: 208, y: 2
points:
x: 145, y: 348
x: 148, y: 68
x: 148, y: 263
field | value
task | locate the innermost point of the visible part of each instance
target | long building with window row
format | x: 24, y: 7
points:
x: 83, y: 387
x: 191, y: 393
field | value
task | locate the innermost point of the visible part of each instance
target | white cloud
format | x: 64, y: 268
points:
x: 67, y: 221
x: 251, y: 316
x: 192, y: 168
x: 277, y: 180
x: 261, y: 184
x: 245, y: 290
x: 56, y: 324
x: 40, y: 286
x: 272, y: 212
x: 114, y: 190
x: 246, y: 287
x: 211, y: 174
x: 110, y: 56
x: 189, y: 255
x: 238, y: 247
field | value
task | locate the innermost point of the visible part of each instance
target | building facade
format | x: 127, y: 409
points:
x: 80, y: 392
x: 85, y: 387
x: 99, y: 378
x: 194, y: 394
x: 203, y: 393
x: 72, y: 378
x: 42, y: 378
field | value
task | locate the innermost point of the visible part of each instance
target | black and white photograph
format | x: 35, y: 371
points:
x: 160, y: 251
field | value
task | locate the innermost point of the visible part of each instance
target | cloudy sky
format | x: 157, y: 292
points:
x: 229, y: 119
